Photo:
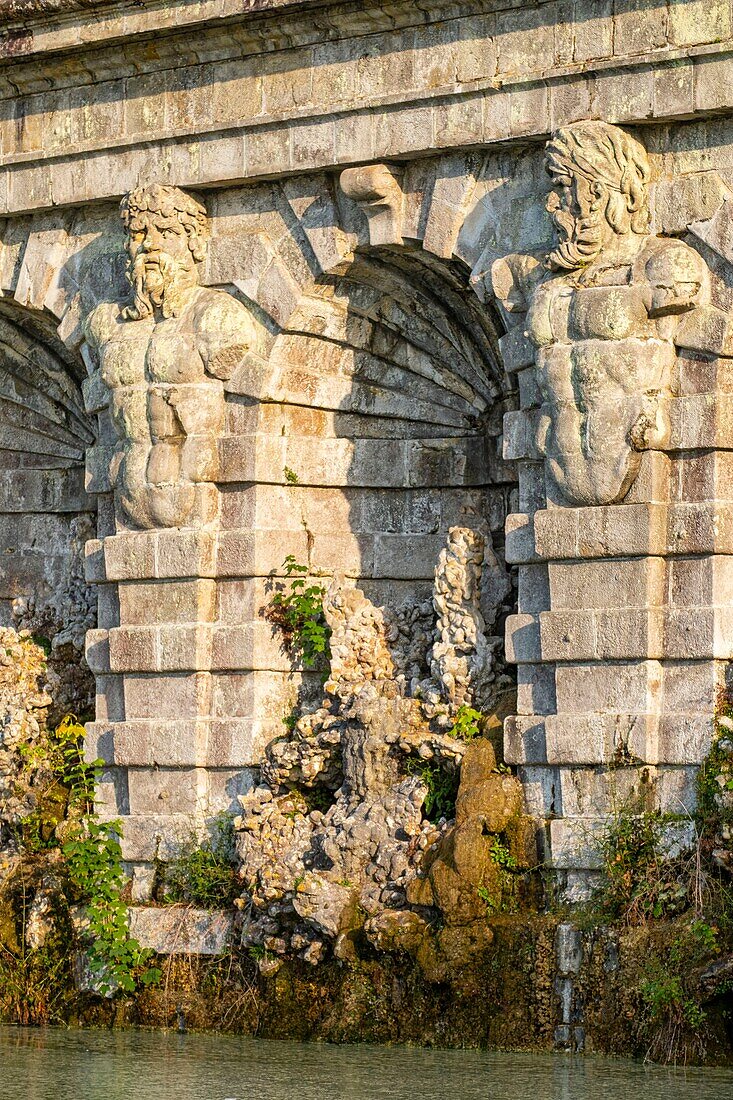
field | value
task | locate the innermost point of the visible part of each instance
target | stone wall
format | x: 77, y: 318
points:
x: 363, y: 170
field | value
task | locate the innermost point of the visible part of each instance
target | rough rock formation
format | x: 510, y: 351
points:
x: 24, y: 706
x: 63, y: 620
x: 333, y: 840
x: 719, y: 770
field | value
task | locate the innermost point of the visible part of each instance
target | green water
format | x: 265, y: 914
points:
x: 130, y: 1065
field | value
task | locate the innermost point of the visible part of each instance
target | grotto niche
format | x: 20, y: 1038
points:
x: 384, y: 819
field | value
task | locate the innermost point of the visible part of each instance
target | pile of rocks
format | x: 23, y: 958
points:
x: 334, y: 840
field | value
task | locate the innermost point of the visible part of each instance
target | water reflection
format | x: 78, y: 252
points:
x: 122, y: 1065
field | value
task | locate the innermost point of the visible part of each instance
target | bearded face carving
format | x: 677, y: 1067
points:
x: 166, y: 232
x: 602, y: 178
x: 604, y: 312
x: 164, y: 358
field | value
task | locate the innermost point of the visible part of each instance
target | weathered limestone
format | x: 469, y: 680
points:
x: 335, y: 839
x: 327, y: 359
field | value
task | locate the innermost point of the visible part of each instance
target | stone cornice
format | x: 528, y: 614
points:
x: 31, y: 29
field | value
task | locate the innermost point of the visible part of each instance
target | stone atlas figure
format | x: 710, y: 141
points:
x: 164, y: 358
x: 604, y: 312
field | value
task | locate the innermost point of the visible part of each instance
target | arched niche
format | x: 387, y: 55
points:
x: 388, y: 387
x: 45, y: 514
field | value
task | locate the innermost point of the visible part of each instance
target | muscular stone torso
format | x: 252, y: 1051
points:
x: 166, y: 401
x: 602, y: 363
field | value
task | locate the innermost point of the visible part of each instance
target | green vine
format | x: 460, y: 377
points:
x: 94, y: 867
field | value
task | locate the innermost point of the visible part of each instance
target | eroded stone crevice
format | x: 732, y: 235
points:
x: 337, y: 848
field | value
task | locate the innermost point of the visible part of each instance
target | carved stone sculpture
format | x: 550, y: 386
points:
x: 604, y: 313
x: 164, y: 359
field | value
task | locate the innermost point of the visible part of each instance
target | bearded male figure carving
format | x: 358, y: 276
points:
x: 604, y: 313
x: 164, y: 359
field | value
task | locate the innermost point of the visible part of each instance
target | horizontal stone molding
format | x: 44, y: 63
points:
x: 477, y: 113
x: 181, y: 743
x: 378, y: 463
x: 608, y: 739
x: 626, y: 634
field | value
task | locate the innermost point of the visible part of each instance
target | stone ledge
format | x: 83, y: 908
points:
x: 620, y: 531
x: 182, y: 743
x: 318, y: 139
x: 178, y: 930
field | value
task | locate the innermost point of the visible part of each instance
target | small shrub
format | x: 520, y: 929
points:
x: 290, y: 476
x: 466, y: 726
x: 298, y: 614
x: 640, y: 880
x: 672, y: 1019
x: 504, y: 899
x: 204, y: 874
x: 441, y: 784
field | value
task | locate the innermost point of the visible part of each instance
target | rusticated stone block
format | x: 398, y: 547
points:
x: 687, y: 199
x: 97, y: 651
x: 616, y: 584
x: 185, y: 554
x: 567, y: 636
x: 130, y: 556
x: 173, y: 601
x: 631, y: 688
x: 593, y: 739
x: 523, y: 639
x: 577, y: 842
x: 524, y: 740
x: 520, y: 539
x: 167, y: 791
x: 94, y: 562
x: 536, y: 689
x: 184, y: 648
x: 133, y: 649
x: 147, y: 837
x: 685, y: 738
x: 171, y: 696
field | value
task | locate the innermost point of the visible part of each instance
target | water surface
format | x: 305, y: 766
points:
x: 55, y: 1064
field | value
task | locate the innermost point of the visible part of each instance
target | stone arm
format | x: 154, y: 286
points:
x: 513, y: 280
x: 678, y: 282
x: 225, y: 334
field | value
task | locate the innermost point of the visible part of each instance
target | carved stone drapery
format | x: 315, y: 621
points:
x: 164, y: 359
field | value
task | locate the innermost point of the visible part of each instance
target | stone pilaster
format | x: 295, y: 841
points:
x: 624, y: 627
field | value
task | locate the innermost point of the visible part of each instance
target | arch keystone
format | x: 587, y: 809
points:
x: 377, y: 190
